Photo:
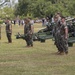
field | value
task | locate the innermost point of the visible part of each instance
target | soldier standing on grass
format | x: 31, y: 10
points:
x: 28, y: 32
x: 61, y: 36
x: 55, y: 30
x: 8, y: 30
x: 64, y: 36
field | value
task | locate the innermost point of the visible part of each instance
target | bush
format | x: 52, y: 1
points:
x: 1, y: 21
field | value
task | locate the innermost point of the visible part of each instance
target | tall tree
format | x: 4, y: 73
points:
x: 41, y: 8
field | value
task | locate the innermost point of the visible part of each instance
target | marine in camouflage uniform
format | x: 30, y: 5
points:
x: 55, y: 25
x: 61, y: 36
x: 28, y: 32
x: 8, y: 30
x: 55, y: 32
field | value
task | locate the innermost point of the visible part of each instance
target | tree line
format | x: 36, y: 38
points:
x: 42, y: 8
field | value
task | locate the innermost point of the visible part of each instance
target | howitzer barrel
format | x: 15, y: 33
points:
x: 69, y: 19
x: 21, y: 36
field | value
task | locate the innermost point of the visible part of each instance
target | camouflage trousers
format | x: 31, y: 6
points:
x: 9, y: 37
x: 61, y: 43
x: 29, y: 39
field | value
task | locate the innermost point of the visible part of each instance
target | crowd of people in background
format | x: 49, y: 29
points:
x: 20, y: 21
x: 28, y: 30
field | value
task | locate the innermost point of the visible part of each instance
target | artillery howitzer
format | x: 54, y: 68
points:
x: 46, y: 33
x: 71, y: 31
x: 41, y: 35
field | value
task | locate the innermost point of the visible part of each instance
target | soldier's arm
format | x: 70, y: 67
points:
x: 10, y: 27
x: 24, y: 29
x: 32, y: 29
x: 66, y: 32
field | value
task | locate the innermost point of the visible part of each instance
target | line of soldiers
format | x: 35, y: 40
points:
x: 60, y: 33
x: 28, y: 31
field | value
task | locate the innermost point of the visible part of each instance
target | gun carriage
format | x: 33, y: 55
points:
x: 46, y: 33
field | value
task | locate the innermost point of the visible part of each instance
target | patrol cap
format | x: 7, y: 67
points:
x: 58, y: 12
x: 27, y: 20
x: 62, y: 17
x: 55, y: 16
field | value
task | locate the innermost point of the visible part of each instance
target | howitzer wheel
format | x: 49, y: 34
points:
x: 42, y: 40
x: 70, y: 44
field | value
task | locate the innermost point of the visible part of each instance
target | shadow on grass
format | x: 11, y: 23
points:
x: 56, y: 53
x: 7, y: 43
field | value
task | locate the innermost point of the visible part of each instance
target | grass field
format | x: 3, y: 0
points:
x: 16, y: 59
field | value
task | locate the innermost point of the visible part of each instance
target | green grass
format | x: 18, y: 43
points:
x: 16, y: 59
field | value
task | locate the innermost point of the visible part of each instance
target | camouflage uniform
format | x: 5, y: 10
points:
x: 28, y: 34
x: 9, y: 31
x: 60, y: 40
x: 54, y: 29
x: 56, y: 35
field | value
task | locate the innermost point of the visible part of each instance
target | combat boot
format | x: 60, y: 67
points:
x: 66, y: 52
